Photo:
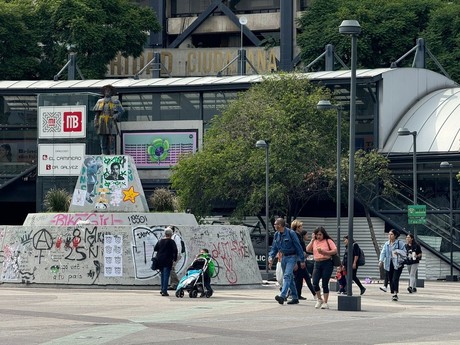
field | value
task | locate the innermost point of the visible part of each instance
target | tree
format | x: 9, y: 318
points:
x: 19, y: 49
x: 389, y: 29
x: 40, y: 34
x: 97, y: 30
x: 281, y: 110
x: 442, y: 36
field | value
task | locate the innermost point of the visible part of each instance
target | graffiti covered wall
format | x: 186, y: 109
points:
x: 118, y: 254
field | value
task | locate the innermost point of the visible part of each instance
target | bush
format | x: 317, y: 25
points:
x: 57, y: 200
x: 163, y: 200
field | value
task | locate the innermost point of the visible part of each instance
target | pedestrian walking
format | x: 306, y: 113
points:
x: 166, y: 255
x: 286, y: 242
x: 356, y: 253
x: 323, y: 248
x: 301, y: 274
x: 414, y: 255
x: 392, y: 259
x: 178, y: 240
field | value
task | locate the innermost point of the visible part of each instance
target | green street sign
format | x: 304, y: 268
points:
x: 416, y: 211
x: 419, y: 220
x: 416, y: 214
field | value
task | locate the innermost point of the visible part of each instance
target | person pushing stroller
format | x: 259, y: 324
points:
x: 198, y: 277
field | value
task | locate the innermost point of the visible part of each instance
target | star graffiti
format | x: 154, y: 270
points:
x: 130, y: 195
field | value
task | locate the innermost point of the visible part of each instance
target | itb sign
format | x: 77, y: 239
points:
x: 62, y: 122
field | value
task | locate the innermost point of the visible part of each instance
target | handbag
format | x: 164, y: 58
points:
x: 335, y: 258
x: 154, y: 265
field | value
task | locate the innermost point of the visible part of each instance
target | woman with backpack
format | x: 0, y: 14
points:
x: 392, y: 259
x: 356, y: 257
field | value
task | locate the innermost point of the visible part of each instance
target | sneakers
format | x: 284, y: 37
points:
x: 394, y: 298
x: 324, y: 306
x: 293, y: 301
x: 409, y: 289
x: 363, y: 290
x: 318, y: 304
x: 414, y: 289
x: 383, y: 288
x: 279, y: 299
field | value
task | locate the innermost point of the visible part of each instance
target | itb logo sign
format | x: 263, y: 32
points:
x: 62, y: 122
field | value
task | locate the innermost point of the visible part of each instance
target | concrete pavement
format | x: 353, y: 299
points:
x: 61, y: 316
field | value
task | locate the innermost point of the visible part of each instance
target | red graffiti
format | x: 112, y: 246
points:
x: 225, y: 251
x: 59, y: 242
x: 76, y: 242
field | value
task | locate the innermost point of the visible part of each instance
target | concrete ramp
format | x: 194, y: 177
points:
x: 108, y: 184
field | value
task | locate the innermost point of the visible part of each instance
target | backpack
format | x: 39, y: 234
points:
x: 361, y: 257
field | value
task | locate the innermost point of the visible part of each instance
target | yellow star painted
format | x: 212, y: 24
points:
x: 130, y: 195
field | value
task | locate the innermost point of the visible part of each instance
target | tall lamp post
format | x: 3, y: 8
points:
x: 451, y: 278
x: 264, y: 144
x: 350, y: 302
x: 326, y: 105
x: 405, y: 132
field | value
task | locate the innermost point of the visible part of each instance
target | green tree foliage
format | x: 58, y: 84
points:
x: 45, y: 31
x: 282, y: 111
x: 19, y: 48
x: 389, y: 29
x: 442, y: 37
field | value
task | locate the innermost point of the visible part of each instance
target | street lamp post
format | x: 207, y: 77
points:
x: 326, y: 105
x: 447, y: 165
x: 242, y: 52
x: 405, y: 132
x: 264, y: 144
x: 350, y: 302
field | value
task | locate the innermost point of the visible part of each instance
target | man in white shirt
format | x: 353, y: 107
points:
x: 176, y: 237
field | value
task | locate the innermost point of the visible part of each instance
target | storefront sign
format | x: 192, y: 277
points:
x: 196, y: 62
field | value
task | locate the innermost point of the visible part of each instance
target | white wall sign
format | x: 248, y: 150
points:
x: 67, y: 121
x: 60, y: 159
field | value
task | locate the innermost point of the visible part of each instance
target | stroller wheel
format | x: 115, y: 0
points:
x: 179, y: 292
x: 193, y: 294
x: 208, y: 294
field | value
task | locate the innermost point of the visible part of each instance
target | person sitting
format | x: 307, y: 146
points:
x: 208, y: 272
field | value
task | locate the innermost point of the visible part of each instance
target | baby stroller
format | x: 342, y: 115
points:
x: 193, y: 281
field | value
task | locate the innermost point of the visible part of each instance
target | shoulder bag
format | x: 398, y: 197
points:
x: 335, y: 258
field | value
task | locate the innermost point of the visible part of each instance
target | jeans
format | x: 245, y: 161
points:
x: 288, y: 263
x: 165, y: 272
x: 412, y: 275
x: 322, y: 271
x: 393, y: 277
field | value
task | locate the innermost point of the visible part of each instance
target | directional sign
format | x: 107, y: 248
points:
x: 416, y: 214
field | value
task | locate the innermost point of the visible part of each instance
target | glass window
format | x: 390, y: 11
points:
x: 215, y: 102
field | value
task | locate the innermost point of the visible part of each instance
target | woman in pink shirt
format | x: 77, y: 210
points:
x: 323, y: 247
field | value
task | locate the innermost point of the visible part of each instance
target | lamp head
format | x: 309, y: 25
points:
x: 261, y: 144
x: 404, y: 131
x: 350, y: 27
x: 324, y: 104
x: 445, y: 165
x: 243, y: 20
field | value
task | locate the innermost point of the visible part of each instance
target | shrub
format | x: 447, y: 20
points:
x: 57, y: 200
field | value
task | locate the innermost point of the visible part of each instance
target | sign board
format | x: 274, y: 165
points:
x: 67, y: 121
x: 60, y: 159
x: 159, y: 149
x: 416, y: 214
